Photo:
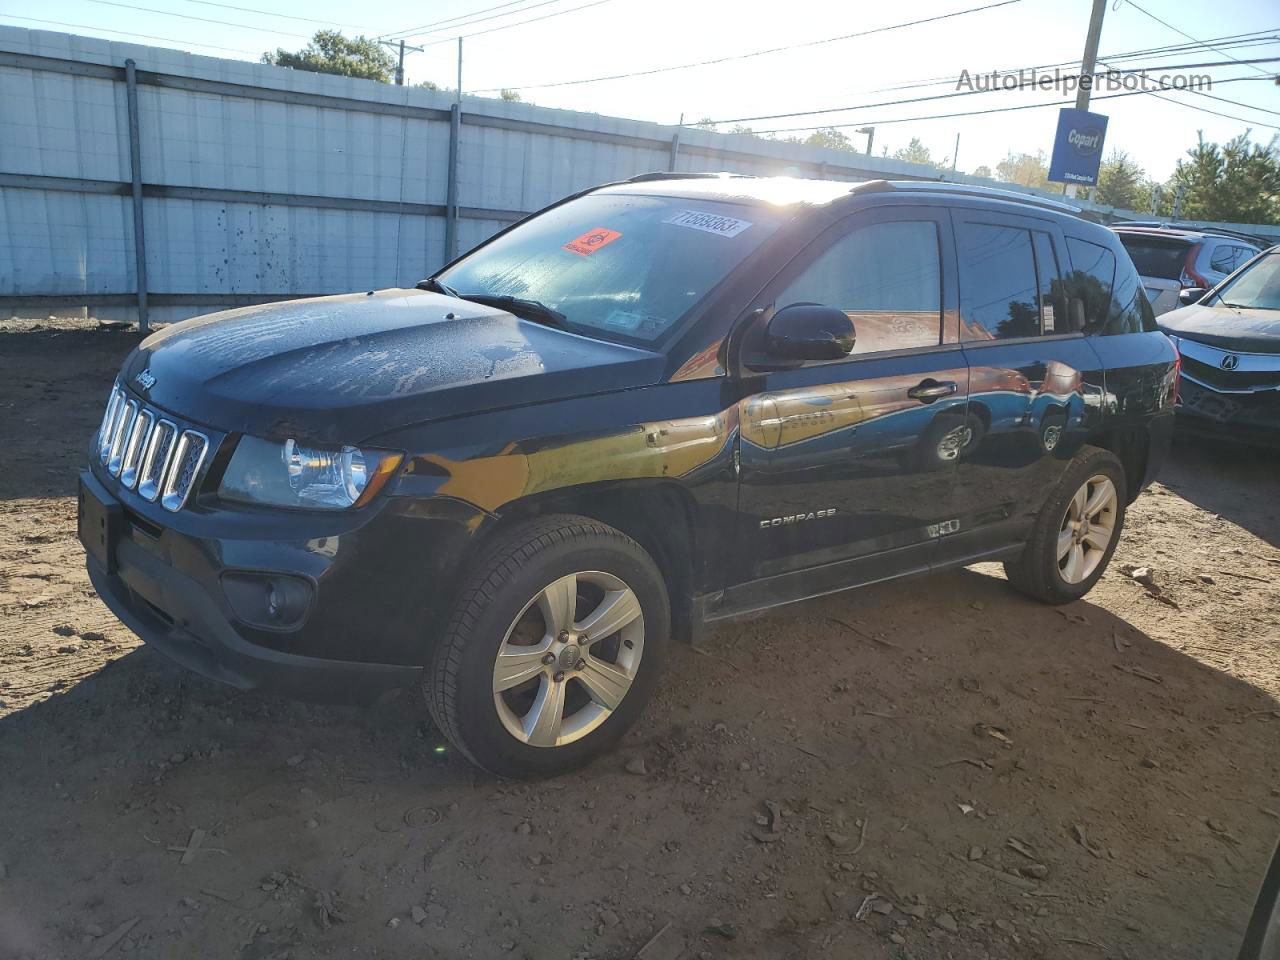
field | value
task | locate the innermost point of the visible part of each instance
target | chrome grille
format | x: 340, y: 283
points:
x: 154, y: 460
x: 148, y: 452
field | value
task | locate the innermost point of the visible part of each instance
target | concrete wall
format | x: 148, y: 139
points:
x: 260, y: 182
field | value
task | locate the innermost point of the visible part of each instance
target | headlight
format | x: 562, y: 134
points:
x: 310, y: 478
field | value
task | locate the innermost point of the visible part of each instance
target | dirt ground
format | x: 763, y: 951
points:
x: 932, y: 769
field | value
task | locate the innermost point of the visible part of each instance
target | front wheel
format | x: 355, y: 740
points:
x: 1076, y: 532
x: 554, y: 646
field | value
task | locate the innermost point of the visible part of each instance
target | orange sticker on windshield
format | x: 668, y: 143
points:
x: 591, y: 241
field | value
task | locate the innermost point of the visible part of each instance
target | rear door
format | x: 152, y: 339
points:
x: 1035, y: 383
x: 847, y: 466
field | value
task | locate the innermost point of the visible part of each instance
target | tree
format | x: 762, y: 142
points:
x: 706, y: 123
x: 330, y: 52
x: 983, y: 171
x: 829, y: 137
x: 427, y: 85
x: 1025, y: 169
x: 511, y: 96
x: 914, y: 152
x: 1120, y: 181
x: 1235, y: 181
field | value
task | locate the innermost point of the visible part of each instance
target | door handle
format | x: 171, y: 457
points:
x: 929, y: 390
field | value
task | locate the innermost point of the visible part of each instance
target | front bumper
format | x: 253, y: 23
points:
x: 368, y: 623
x: 174, y: 614
x: 1252, y: 418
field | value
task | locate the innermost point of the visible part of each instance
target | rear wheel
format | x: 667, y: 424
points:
x: 1076, y: 533
x: 553, y: 649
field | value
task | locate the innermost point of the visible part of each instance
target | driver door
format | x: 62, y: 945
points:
x: 847, y: 467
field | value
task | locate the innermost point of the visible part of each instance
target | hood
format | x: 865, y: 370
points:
x: 345, y: 368
x: 1242, y: 331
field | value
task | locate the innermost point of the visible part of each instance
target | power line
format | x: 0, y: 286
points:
x: 1166, y: 23
x: 755, y: 53
x: 125, y: 33
x: 269, y: 13
x: 1234, y: 103
x: 1242, y: 39
x: 414, y: 32
x: 519, y: 23
x: 187, y: 16
x: 1024, y: 106
x: 968, y: 93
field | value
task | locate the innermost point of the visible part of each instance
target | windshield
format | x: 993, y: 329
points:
x: 1257, y: 288
x: 625, y: 267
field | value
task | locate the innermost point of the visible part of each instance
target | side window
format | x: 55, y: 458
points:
x: 1108, y: 290
x: 1243, y: 256
x: 1224, y: 258
x: 999, y: 291
x: 1130, y: 310
x: 1088, y: 285
x: 887, y: 277
x: 1053, y: 303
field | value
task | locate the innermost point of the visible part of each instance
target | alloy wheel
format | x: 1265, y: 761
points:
x: 1087, y: 529
x: 568, y: 659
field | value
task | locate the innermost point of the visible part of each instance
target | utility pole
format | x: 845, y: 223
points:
x: 871, y: 136
x: 955, y: 154
x: 1088, y: 63
x: 401, y: 46
x: 460, y: 70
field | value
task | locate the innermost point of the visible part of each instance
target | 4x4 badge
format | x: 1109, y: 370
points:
x: 147, y: 379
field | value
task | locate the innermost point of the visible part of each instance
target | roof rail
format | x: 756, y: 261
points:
x: 1250, y: 238
x: 973, y: 190
x: 673, y: 175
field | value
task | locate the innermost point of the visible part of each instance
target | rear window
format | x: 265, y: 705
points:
x: 1155, y: 256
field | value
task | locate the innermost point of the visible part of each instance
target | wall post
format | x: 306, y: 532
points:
x: 451, y: 195
x: 135, y: 168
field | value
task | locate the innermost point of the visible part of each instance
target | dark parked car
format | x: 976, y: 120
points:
x: 655, y: 405
x: 1229, y: 338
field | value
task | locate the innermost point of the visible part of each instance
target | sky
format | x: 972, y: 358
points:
x: 526, y: 44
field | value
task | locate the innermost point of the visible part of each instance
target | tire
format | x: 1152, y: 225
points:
x: 513, y: 605
x: 1041, y: 570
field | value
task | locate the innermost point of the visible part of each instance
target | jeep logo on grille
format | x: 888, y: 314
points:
x: 146, y: 378
x: 1230, y: 362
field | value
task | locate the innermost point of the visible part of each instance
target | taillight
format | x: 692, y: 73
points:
x: 1189, y: 277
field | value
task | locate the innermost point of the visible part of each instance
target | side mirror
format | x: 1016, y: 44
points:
x: 809, y: 331
x: 1189, y: 295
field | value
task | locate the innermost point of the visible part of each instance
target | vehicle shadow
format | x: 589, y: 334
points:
x: 1238, y: 483
x: 907, y: 730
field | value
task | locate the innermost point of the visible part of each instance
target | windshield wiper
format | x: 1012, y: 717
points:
x: 533, y: 310
x: 528, y: 309
x: 435, y: 286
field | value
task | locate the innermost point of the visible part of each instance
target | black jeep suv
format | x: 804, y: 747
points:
x: 654, y: 405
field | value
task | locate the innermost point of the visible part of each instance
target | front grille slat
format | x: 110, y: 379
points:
x: 121, y: 433
x: 142, y: 425
x: 115, y: 407
x: 185, y: 466
x: 158, y: 457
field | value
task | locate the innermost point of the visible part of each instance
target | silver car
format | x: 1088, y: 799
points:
x: 1170, y: 260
